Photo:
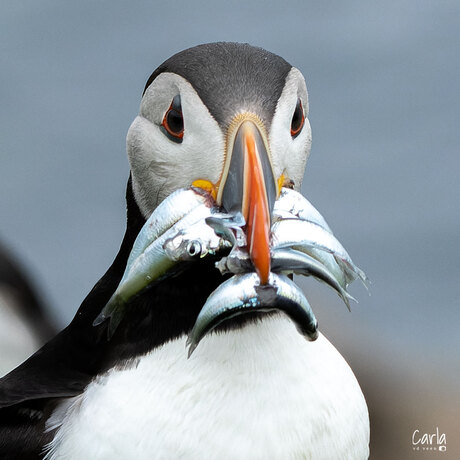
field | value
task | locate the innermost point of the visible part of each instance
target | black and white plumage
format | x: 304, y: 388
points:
x: 255, y: 388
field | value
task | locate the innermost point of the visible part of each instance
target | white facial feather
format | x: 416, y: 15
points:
x: 261, y: 392
x: 159, y: 165
x: 289, y: 156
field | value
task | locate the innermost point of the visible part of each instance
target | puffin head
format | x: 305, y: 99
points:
x: 229, y: 118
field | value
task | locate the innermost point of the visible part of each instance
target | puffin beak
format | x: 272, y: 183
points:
x: 248, y: 186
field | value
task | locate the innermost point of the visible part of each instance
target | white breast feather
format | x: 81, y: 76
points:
x: 262, y: 392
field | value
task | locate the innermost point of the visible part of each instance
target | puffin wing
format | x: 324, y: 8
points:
x: 46, y: 374
x: 28, y: 395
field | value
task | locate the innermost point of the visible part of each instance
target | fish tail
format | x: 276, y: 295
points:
x: 191, y: 347
x: 352, y: 272
x: 113, y: 312
x: 346, y: 297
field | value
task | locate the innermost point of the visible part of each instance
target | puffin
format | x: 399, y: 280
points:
x: 254, y: 388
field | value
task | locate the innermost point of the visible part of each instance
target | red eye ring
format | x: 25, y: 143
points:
x: 298, y: 119
x: 173, y: 121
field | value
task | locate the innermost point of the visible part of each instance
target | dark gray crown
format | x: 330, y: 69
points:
x: 230, y: 77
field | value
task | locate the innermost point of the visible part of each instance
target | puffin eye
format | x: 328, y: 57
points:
x: 298, y: 119
x: 173, y: 121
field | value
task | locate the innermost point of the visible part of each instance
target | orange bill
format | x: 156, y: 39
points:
x: 256, y: 213
x: 251, y: 189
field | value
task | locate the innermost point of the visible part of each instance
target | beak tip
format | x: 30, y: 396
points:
x: 263, y: 270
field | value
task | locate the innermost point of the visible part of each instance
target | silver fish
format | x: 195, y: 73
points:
x: 144, y: 238
x: 198, y: 240
x: 243, y: 294
x: 307, y: 236
x: 155, y: 262
x: 291, y: 261
x: 285, y: 261
x: 169, y: 211
x: 292, y: 204
x: 145, y: 269
x: 229, y: 226
x: 237, y: 262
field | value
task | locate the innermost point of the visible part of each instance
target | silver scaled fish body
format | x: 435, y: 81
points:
x: 243, y: 294
x: 291, y: 261
x: 293, y: 205
x: 168, y: 212
x: 312, y: 239
x: 186, y: 226
x: 229, y: 227
x: 286, y: 261
x: 197, y: 241
x: 188, y: 238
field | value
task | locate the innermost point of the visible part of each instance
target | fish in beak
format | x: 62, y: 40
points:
x: 248, y: 186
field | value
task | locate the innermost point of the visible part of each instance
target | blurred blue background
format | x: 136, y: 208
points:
x: 383, y: 79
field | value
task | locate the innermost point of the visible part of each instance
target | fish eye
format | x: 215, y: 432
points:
x: 173, y: 121
x: 193, y: 248
x: 298, y: 119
